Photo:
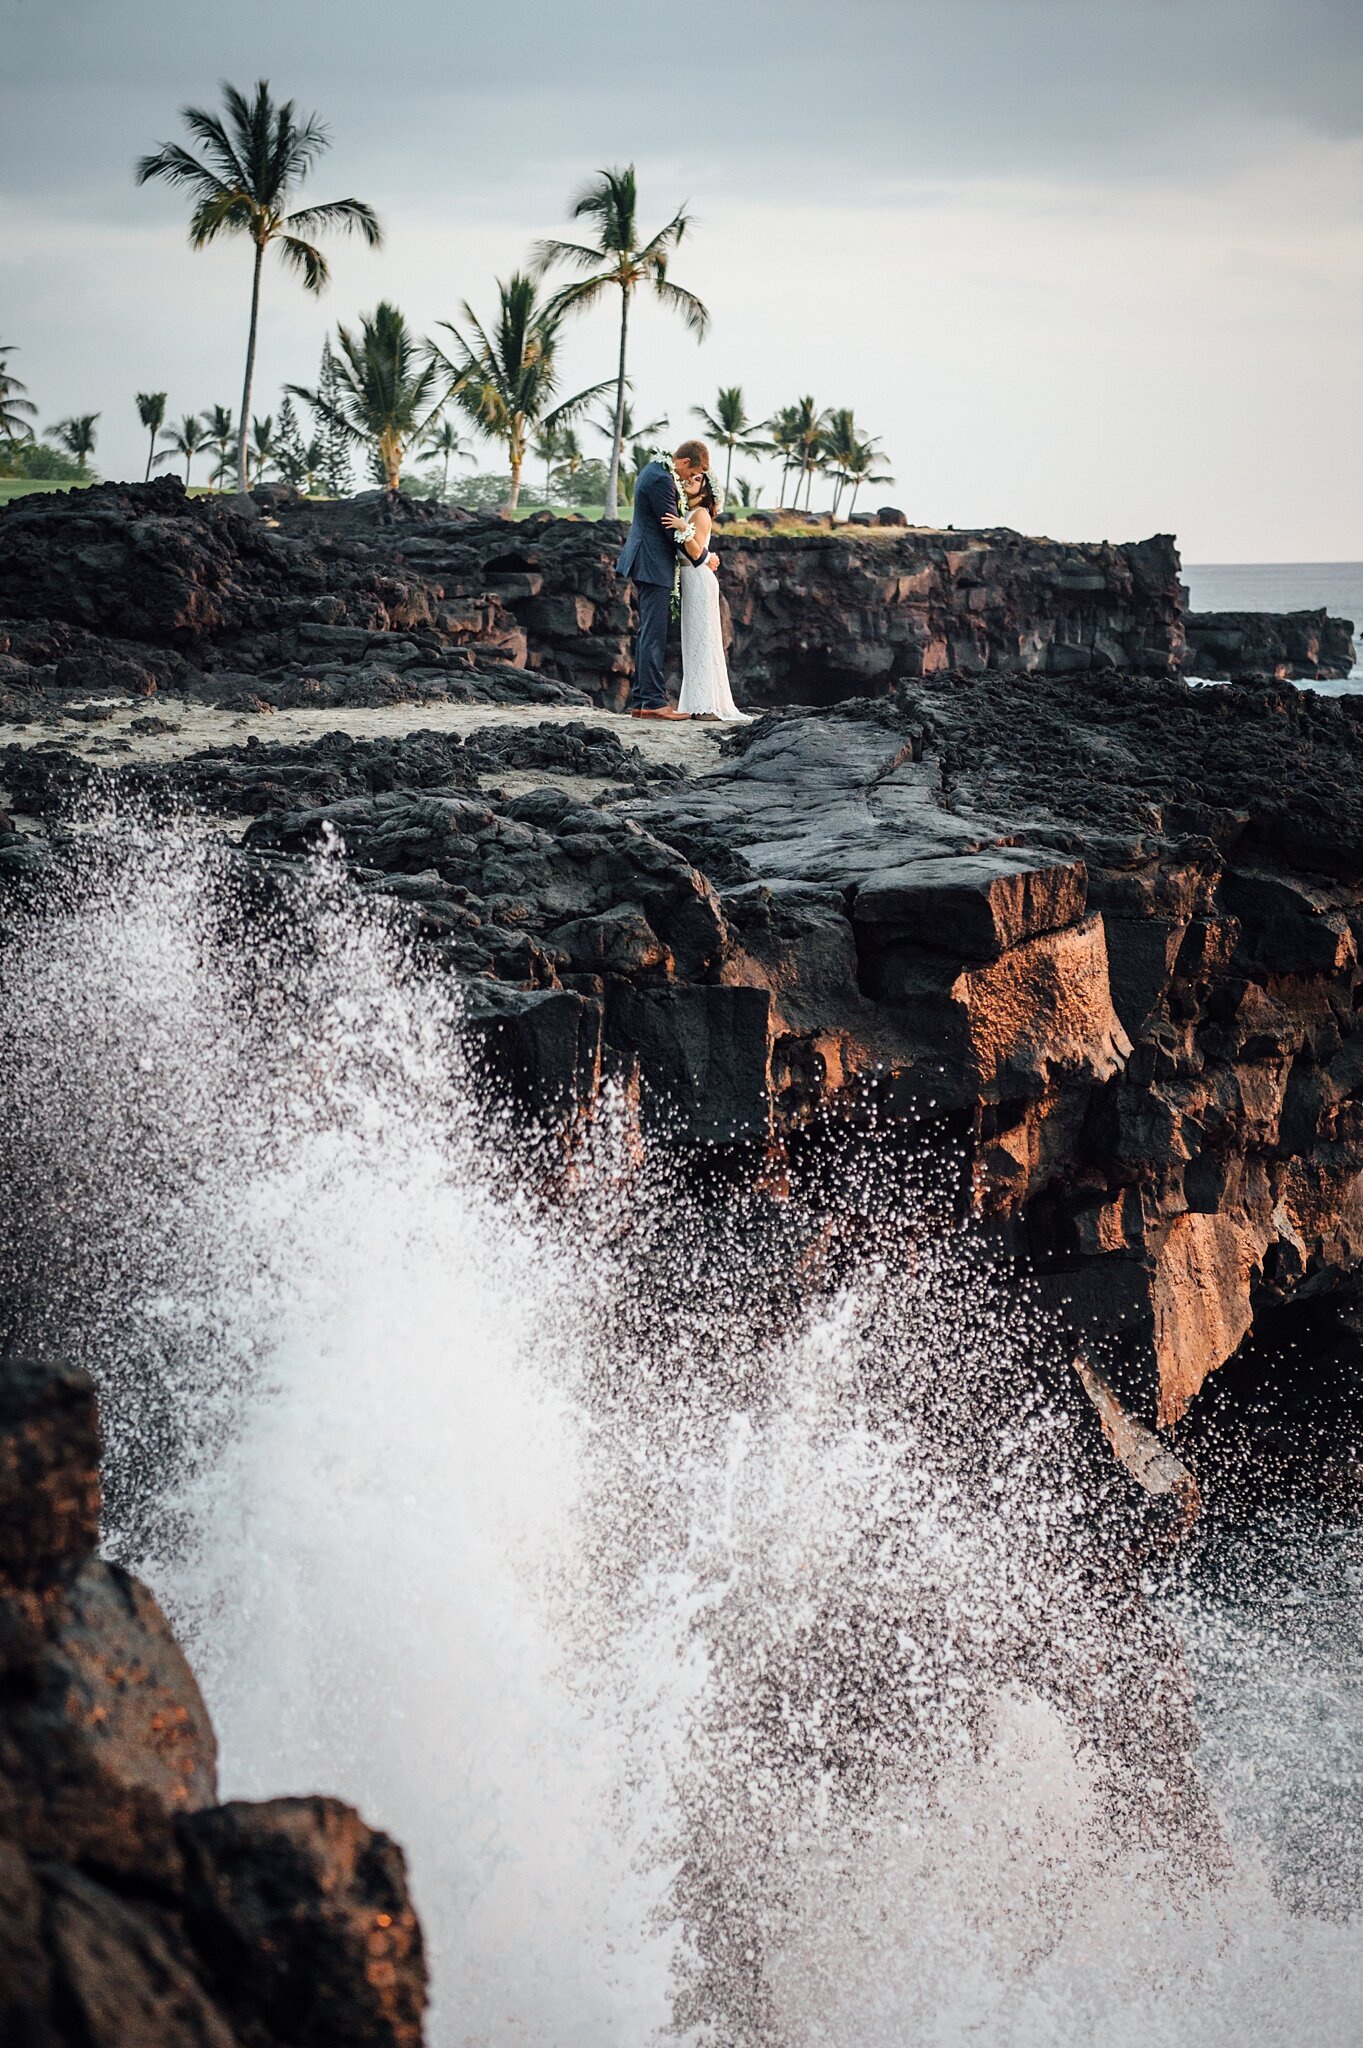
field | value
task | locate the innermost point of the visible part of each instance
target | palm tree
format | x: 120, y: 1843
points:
x: 630, y: 429
x: 314, y: 462
x: 803, y: 427
x: 730, y: 426
x: 570, y: 456
x: 151, y: 410
x: 850, y: 458
x: 545, y: 448
x: 13, y: 405
x: 219, y: 438
x: 505, y: 380
x: 248, y: 168
x: 443, y: 445
x: 859, y: 469
x: 619, y: 259
x: 76, y: 436
x: 387, y: 388
x: 185, y: 440
x: 263, y: 448
x: 640, y: 454
x: 784, y: 434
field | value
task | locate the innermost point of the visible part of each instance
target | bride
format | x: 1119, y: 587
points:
x: 705, y: 691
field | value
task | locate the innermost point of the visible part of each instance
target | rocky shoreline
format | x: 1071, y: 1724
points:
x: 1103, y: 922
x: 1019, y: 893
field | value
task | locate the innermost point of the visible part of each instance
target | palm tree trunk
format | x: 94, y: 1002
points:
x: 853, y: 506
x: 245, y: 426
x: 728, y: 470
x: 189, y: 464
x: 445, y: 481
x: 611, y: 508
x: 151, y: 453
x: 515, y: 449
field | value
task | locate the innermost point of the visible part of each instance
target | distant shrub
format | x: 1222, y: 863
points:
x: 40, y: 464
x: 481, y: 493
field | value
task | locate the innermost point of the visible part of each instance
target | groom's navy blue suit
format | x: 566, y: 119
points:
x: 649, y: 559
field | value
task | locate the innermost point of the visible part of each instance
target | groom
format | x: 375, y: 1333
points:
x: 649, y: 559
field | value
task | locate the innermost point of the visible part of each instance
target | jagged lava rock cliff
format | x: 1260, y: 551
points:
x: 363, y: 602
x: 1103, y: 934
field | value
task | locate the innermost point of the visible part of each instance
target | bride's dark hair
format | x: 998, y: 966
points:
x: 707, y: 494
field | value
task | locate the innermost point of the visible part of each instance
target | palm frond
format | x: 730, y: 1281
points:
x: 580, y: 298
x: 666, y: 238
x: 573, y: 408
x: 219, y: 212
x: 178, y: 166
x: 695, y: 315
x: 545, y: 254
x: 611, y: 199
x: 216, y: 144
x: 350, y: 216
x: 308, y: 261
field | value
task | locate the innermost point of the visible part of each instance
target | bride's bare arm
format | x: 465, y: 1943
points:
x: 697, y: 549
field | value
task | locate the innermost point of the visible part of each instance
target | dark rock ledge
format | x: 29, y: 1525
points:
x: 135, y: 1912
x: 1108, y: 931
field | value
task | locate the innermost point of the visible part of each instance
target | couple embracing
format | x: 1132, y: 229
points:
x: 668, y: 558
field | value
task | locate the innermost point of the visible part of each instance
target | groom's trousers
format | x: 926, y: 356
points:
x: 650, y: 646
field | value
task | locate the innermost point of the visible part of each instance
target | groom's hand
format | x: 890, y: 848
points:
x: 712, y: 562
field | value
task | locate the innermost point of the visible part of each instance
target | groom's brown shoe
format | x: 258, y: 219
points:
x: 662, y: 711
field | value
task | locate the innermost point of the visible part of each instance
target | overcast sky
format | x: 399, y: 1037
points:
x: 1088, y: 267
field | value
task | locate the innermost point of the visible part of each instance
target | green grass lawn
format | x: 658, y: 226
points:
x: 28, y: 487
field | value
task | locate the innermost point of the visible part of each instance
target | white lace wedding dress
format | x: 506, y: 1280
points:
x: 705, y: 688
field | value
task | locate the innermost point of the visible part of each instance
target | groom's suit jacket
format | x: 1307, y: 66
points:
x: 650, y: 552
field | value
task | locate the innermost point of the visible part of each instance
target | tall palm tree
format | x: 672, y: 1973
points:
x: 388, y: 389
x: 13, y: 404
x: 443, y: 444
x: 248, y: 168
x: 859, y: 469
x: 504, y: 380
x: 783, y: 436
x: 76, y: 436
x: 151, y: 410
x: 730, y: 426
x: 802, y: 429
x: 184, y: 441
x: 839, y: 447
x: 219, y: 439
x: 620, y: 260
x: 851, y: 458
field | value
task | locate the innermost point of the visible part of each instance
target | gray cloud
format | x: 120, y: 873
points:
x: 845, y: 99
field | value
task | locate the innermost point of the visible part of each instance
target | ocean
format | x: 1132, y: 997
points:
x: 1282, y: 587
